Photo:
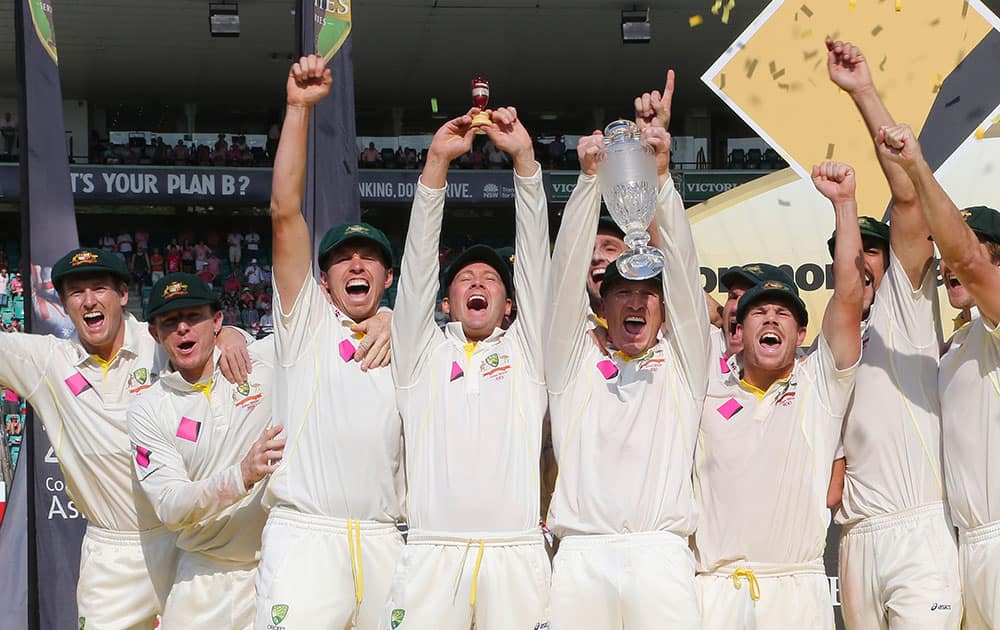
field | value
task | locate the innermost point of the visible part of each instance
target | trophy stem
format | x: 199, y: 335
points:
x: 480, y: 120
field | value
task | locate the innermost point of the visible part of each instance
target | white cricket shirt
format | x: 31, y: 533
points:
x: 344, y: 450
x: 969, y: 384
x: 472, y: 412
x: 189, y: 441
x: 763, y: 465
x: 624, y: 429
x: 892, y: 431
x: 81, y: 402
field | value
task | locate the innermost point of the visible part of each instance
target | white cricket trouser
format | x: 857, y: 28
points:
x: 623, y: 582
x: 124, y: 577
x: 323, y: 573
x: 461, y: 581
x: 211, y: 593
x: 979, y: 557
x: 765, y: 596
x: 900, y: 571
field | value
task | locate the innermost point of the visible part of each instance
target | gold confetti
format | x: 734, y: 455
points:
x: 782, y: 202
x: 784, y: 86
x: 853, y: 4
x: 899, y: 5
x: 876, y: 30
x: 726, y: 9
x: 809, y: 54
x: 829, y: 151
x: 806, y: 10
x: 722, y: 81
x: 980, y: 133
x: 778, y: 74
x: 965, y: 9
x: 716, y: 7
x: 751, y: 65
x: 937, y: 84
x: 806, y: 34
x: 935, y: 21
x: 881, y: 66
x: 695, y: 20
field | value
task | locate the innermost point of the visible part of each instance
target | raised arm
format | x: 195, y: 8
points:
x: 842, y: 319
x: 959, y: 246
x: 849, y: 70
x: 177, y: 500
x: 565, y: 341
x: 308, y: 83
x: 531, y: 245
x: 686, y: 317
x: 413, y: 318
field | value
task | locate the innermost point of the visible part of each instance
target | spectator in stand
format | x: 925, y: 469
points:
x: 173, y: 257
x: 252, y: 243
x: 156, y: 265
x: 140, y: 267
x: 201, y: 252
x: 265, y: 276
x: 495, y: 157
x: 14, y: 427
x: 142, y: 239
x: 125, y: 243
x: 233, y: 155
x: 181, y: 153
x: 8, y: 130
x: 220, y: 150
x: 231, y: 316
x: 250, y: 318
x: 233, y: 284
x: 273, y: 135
x: 11, y: 403
x: 235, y: 240
x: 162, y: 152
x: 266, y: 320
x: 556, y: 150
x: 409, y: 158
x: 187, y: 257
x: 370, y: 157
x: 4, y: 283
x: 185, y: 236
x: 214, y: 264
x: 207, y: 276
x: 263, y: 299
x: 477, y: 159
x: 106, y: 242
x: 203, y: 156
x: 252, y: 273
x: 16, y: 325
x: 16, y: 288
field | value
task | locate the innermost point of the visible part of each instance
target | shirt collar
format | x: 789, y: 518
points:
x: 172, y: 379
x: 130, y: 343
x: 456, y: 333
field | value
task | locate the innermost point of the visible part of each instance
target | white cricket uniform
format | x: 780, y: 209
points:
x: 127, y: 557
x: 761, y: 478
x: 624, y: 432
x: 330, y: 543
x: 472, y: 413
x: 189, y: 441
x: 969, y: 384
x: 898, y: 554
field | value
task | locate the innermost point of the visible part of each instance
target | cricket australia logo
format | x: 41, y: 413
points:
x: 278, y: 614
x: 138, y: 381
x: 83, y: 258
x: 247, y: 395
x: 495, y: 366
x: 397, y: 618
x: 174, y: 289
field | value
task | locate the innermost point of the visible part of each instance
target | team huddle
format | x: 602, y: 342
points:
x: 238, y: 483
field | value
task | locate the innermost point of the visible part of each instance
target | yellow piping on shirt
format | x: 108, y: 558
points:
x: 909, y: 409
x: 584, y: 401
x: 751, y: 580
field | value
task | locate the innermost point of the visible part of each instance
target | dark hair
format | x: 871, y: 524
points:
x: 116, y: 280
x: 992, y: 247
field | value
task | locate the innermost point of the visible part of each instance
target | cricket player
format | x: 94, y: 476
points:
x: 331, y: 542
x: 767, y: 444
x: 202, y: 445
x: 624, y: 427
x: 472, y: 398
x: 80, y: 388
x: 898, y: 553
x: 969, y: 378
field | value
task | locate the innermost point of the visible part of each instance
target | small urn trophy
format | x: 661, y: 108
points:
x: 626, y: 175
x: 481, y: 96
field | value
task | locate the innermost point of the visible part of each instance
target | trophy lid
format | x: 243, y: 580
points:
x: 620, y: 130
